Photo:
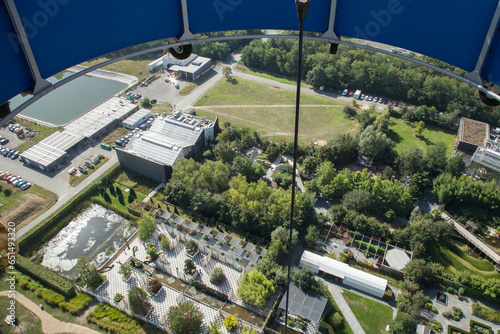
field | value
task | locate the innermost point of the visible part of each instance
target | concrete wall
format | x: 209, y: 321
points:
x: 148, y: 168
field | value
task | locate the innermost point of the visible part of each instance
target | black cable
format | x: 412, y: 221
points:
x: 302, y: 8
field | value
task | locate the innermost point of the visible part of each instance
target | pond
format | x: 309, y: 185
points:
x: 89, y: 235
x: 71, y: 100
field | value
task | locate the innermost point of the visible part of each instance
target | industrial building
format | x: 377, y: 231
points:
x: 189, y: 69
x: 153, y: 152
x: 93, y: 125
x: 471, y: 135
x: 137, y: 118
x: 347, y: 275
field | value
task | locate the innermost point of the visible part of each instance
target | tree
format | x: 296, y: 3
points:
x: 185, y: 318
x: 282, y: 234
x: 146, y: 103
x: 147, y: 227
x: 165, y: 243
x: 272, y: 152
x: 217, y: 274
x: 419, y: 129
x: 138, y: 301
x: 402, y: 324
x: 415, y: 270
x: 337, y: 319
x: 455, y: 165
x: 125, y: 271
x: 359, y: 200
x: 311, y: 236
x: 132, y: 193
x: 375, y: 144
x: 227, y: 72
x: 349, y: 111
x: 189, y: 267
x: 304, y: 278
x: 436, y: 159
x: 225, y: 152
x: 87, y: 272
x: 152, y: 252
x: 255, y: 288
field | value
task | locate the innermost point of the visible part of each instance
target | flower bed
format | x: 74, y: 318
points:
x: 479, y: 328
x: 298, y: 323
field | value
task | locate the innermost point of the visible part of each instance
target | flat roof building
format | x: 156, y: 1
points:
x: 153, y: 152
x: 471, y: 135
x: 349, y: 276
x: 192, y: 69
x: 53, y: 150
x: 137, y: 118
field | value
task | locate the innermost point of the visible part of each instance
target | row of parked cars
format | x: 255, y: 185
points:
x: 9, y: 153
x: 15, y: 180
x: 377, y: 100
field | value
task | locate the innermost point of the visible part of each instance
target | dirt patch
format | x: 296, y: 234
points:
x: 321, y: 143
x: 357, y: 168
x: 29, y: 206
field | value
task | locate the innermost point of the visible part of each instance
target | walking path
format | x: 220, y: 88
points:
x: 336, y: 292
x: 49, y: 323
x: 152, y: 193
x: 124, y: 78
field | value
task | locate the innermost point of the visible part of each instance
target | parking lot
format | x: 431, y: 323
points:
x: 162, y: 91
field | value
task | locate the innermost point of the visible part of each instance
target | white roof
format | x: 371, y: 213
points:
x: 139, y: 114
x: 343, y: 270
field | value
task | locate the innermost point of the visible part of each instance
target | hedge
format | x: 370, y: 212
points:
x: 485, y: 312
x: 488, y: 328
x: 46, y: 276
x: 51, y: 297
x: 50, y: 226
x: 77, y: 304
x: 114, y: 321
x: 457, y: 330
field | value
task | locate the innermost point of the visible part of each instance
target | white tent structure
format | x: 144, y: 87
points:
x: 352, y: 277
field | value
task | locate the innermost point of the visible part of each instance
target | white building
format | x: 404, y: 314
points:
x: 137, y: 118
x: 349, y: 276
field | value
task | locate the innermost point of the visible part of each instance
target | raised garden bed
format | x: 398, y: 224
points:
x: 479, y: 328
x: 441, y: 298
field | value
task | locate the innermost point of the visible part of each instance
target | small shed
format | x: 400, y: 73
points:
x: 364, y: 161
x: 471, y: 226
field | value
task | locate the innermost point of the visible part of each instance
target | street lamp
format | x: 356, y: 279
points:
x: 302, y: 7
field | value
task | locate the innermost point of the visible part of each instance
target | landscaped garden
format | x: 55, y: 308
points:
x: 373, y: 316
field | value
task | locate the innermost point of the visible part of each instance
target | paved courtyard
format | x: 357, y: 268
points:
x: 172, y: 263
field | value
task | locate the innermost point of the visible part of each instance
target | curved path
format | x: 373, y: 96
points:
x: 50, y: 325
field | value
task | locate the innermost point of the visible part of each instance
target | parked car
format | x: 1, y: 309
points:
x: 4, y: 141
x: 154, y: 101
x: 344, y: 93
x: 25, y: 186
x: 15, y: 155
x: 375, y: 99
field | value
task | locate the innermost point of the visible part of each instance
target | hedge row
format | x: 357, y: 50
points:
x: 452, y: 330
x: 473, y: 324
x: 45, y: 230
x: 114, y: 321
x: 45, y: 276
x: 485, y: 312
x: 77, y: 304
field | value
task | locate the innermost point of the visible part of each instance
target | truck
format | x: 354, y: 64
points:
x: 357, y: 94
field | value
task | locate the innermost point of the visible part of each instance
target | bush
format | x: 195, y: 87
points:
x: 189, y: 267
x: 138, y: 301
x: 230, y: 322
x: 118, y: 297
x: 191, y: 247
x: 52, y: 297
x: 154, y: 286
x: 185, y: 318
x: 114, y: 321
x: 387, y: 295
x: 485, y: 312
x: 165, y: 243
x: 45, y: 276
x: 88, y: 274
x: 152, y: 251
x: 125, y: 271
x: 337, y: 319
x: 255, y: 288
x: 77, y: 304
x: 147, y: 227
x: 217, y: 274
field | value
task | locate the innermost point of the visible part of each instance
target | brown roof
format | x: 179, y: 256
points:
x: 475, y: 132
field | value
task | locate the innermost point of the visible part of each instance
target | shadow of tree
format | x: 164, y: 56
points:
x: 394, y: 136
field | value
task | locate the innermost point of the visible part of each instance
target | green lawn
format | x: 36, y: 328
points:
x: 278, y: 122
x: 454, y: 263
x: 248, y: 92
x: 139, y: 183
x: 44, y: 131
x: 134, y: 67
x: 372, y: 316
x: 402, y: 135
x: 29, y: 322
x: 266, y: 75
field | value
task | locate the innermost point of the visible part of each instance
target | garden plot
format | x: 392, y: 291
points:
x: 92, y: 233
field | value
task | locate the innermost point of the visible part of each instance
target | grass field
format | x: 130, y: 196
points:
x: 134, y: 67
x: 402, y: 135
x: 23, y: 207
x: 44, y: 131
x: 372, y: 316
x: 454, y: 263
x: 248, y: 92
x: 116, y: 134
x: 29, y: 322
x: 130, y: 179
x: 266, y: 75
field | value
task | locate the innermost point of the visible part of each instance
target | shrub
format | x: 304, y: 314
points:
x: 447, y: 314
x: 118, y: 297
x: 337, y: 319
x: 87, y: 272
x: 52, y: 297
x: 154, y: 286
x: 125, y: 271
x: 255, y: 288
x: 147, y: 227
x: 191, y: 247
x: 110, y: 251
x: 214, y: 327
x: 152, y: 251
x: 387, y: 295
x: 138, y: 301
x: 230, y: 322
x: 45, y: 276
x: 343, y: 257
x: 217, y: 274
x: 185, y: 318
x: 114, y: 321
x: 189, y: 267
x: 165, y: 243
x: 485, y: 312
x: 77, y: 304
